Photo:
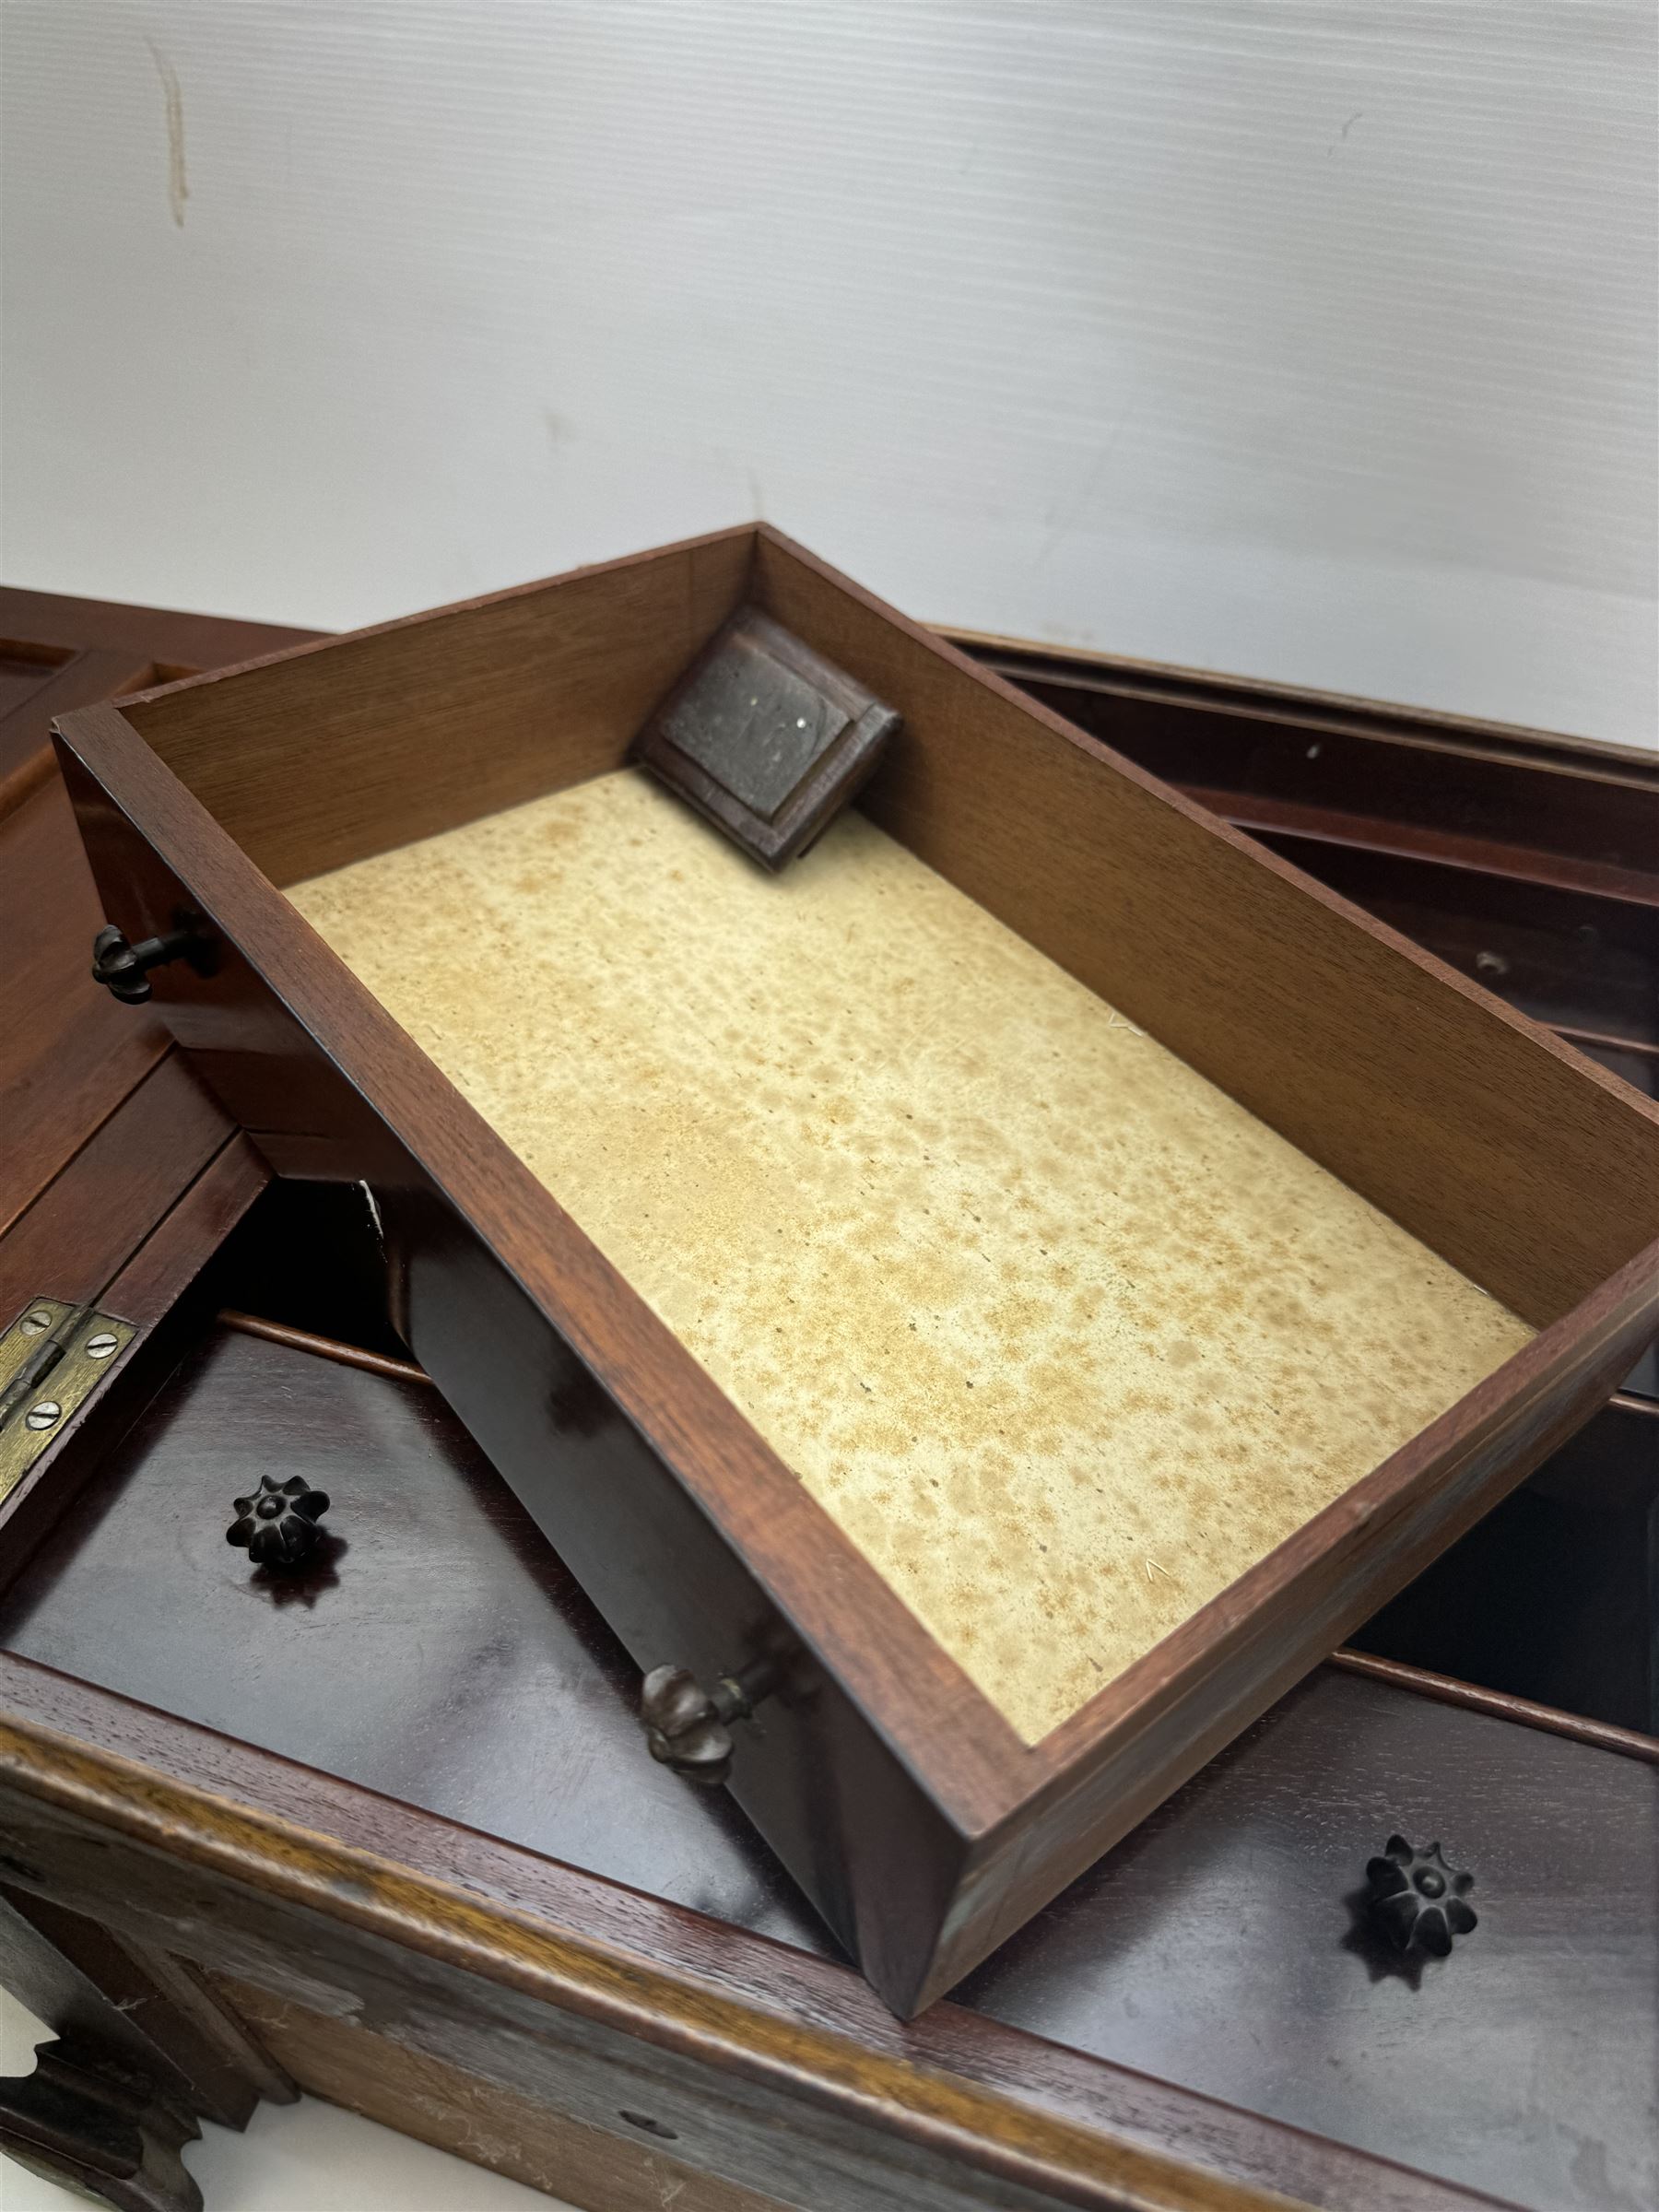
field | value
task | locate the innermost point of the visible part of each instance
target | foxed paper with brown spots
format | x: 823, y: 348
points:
x: 1063, y: 1337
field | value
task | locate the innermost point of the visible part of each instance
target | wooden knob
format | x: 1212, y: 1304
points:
x: 685, y: 1727
x: 1417, y: 1900
x: 277, y: 1526
x: 123, y: 967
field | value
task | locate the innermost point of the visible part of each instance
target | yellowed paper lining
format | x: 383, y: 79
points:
x: 1061, y: 1338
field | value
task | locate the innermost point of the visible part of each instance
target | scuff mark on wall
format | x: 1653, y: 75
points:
x: 178, y: 182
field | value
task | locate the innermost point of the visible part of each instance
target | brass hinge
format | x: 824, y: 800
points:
x: 52, y: 1359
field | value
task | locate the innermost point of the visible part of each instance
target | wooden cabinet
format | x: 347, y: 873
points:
x: 390, y: 1833
x: 911, y: 1293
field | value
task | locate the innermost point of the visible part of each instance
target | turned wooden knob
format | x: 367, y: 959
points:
x: 123, y: 967
x: 686, y: 1725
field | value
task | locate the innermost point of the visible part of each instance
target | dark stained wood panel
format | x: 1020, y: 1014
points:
x: 773, y: 2068
x: 1556, y: 1594
x: 1526, y: 804
x: 1216, y: 1946
x: 1219, y: 1946
x: 41, y: 681
x: 93, y: 1215
x: 181, y: 641
x: 71, y: 1054
x: 456, y: 1716
x: 152, y: 2011
x: 628, y: 2168
x: 156, y: 1276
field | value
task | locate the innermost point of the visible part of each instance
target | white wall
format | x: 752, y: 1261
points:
x: 1310, y: 338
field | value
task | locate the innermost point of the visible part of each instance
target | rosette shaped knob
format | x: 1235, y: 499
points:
x: 277, y: 1526
x: 1417, y: 1900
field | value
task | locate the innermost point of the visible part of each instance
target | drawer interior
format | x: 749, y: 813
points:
x: 1063, y: 1336
x: 1030, y: 1095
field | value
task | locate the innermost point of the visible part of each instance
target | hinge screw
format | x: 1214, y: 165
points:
x: 34, y: 1323
x: 100, y: 1346
x: 44, y: 1415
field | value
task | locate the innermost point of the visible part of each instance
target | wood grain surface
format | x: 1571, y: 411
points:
x: 1221, y: 1937
x: 159, y: 1279
x: 781, y: 2073
x: 1466, y: 1123
x: 606, y: 2170
x: 1529, y: 805
x: 1428, y: 1097
x: 550, y: 1308
x: 399, y: 731
x: 72, y: 1053
x: 152, y: 2011
x: 1535, y: 2153
x: 84, y: 1224
x: 166, y: 642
